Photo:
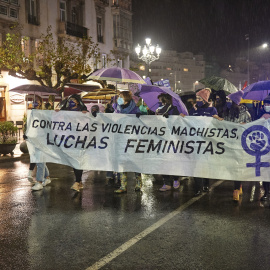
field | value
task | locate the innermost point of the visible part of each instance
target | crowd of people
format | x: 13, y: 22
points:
x: 207, y: 104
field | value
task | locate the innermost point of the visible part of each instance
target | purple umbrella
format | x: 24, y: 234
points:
x: 257, y: 91
x: 116, y: 74
x: 149, y: 93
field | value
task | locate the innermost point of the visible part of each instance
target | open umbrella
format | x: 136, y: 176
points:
x: 149, y: 93
x: 257, y: 91
x: 34, y: 89
x: 218, y: 83
x: 117, y: 74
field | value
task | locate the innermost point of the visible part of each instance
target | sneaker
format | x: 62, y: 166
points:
x: 46, y: 181
x: 120, y: 190
x: 236, y: 195
x: 76, y: 186
x: 165, y: 188
x: 176, y: 184
x: 37, y: 186
x: 205, y: 189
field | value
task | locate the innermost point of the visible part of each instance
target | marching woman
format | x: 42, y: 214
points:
x: 75, y: 103
x: 238, y: 114
x: 167, y: 109
x: 126, y: 105
x: 203, y: 108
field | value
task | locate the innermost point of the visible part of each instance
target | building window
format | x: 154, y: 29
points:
x: 99, y: 30
x: 32, y: 12
x: 3, y: 10
x: 32, y: 8
x: 14, y: 2
x: 13, y: 13
x: 74, y: 16
x: 63, y: 16
x: 120, y: 63
x: 104, y: 60
x: 185, y: 69
x: 25, y: 43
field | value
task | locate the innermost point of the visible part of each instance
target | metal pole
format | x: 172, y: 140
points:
x: 247, y: 38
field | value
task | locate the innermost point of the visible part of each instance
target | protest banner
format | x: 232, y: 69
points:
x: 152, y: 144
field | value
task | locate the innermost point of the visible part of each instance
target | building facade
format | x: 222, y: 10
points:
x: 107, y: 22
x: 183, y: 70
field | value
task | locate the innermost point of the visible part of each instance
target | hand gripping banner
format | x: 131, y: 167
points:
x: 189, y: 146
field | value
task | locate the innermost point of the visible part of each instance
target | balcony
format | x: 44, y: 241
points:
x: 72, y: 29
x: 33, y: 20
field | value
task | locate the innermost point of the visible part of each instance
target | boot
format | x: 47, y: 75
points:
x: 241, y: 190
x: 236, y: 195
x: 138, y: 185
x: 123, y: 187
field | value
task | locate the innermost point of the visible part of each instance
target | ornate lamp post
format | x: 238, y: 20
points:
x: 149, y: 54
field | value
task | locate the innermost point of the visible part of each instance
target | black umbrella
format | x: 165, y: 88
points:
x: 218, y: 83
x: 34, y: 89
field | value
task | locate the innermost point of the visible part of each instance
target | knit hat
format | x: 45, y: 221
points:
x: 204, y: 94
x: 236, y: 97
x: 267, y: 100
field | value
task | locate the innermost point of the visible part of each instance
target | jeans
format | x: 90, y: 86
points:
x: 42, y: 172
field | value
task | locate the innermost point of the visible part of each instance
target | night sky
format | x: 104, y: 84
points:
x: 215, y: 27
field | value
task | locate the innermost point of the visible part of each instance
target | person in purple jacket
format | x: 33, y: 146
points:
x: 126, y: 105
x: 203, y: 108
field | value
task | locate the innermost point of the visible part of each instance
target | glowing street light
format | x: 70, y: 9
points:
x: 148, y: 54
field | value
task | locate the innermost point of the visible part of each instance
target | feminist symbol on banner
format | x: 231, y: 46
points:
x: 256, y: 142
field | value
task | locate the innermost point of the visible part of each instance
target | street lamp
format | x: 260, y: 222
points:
x: 194, y: 85
x: 149, y: 54
x: 247, y: 38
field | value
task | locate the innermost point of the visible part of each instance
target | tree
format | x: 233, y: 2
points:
x: 51, y: 62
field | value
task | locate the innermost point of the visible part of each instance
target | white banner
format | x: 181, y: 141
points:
x: 189, y: 146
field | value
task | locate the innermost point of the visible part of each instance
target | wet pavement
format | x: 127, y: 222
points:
x: 57, y: 228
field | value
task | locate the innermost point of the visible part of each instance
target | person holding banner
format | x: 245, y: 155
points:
x: 202, y: 108
x: 126, y: 105
x: 266, y: 115
x: 220, y: 103
x: 167, y: 109
x: 238, y: 114
x: 75, y: 103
